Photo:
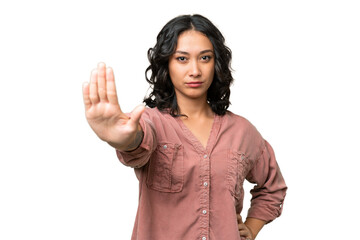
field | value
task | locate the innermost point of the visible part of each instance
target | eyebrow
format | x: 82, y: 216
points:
x: 202, y: 52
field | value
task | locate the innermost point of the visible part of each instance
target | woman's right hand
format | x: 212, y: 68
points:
x: 104, y: 114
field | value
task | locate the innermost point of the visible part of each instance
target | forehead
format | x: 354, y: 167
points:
x: 193, y: 41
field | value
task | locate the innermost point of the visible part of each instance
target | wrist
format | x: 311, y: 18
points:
x: 132, y: 144
x: 250, y: 230
x: 135, y: 144
x: 254, y: 225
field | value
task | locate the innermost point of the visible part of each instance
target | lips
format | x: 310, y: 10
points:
x: 194, y: 84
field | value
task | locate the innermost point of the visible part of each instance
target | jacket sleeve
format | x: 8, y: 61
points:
x: 140, y: 156
x: 269, y: 193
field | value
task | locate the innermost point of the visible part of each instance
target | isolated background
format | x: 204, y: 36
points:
x: 297, y: 68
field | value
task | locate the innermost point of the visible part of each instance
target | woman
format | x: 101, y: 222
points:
x: 189, y: 153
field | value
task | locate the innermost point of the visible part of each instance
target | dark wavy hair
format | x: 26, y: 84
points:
x: 163, y: 93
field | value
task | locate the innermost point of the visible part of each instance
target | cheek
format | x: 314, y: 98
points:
x: 211, y: 71
x: 211, y: 75
x: 176, y: 73
x: 172, y: 75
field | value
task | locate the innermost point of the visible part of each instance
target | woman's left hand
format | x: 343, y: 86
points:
x: 245, y: 232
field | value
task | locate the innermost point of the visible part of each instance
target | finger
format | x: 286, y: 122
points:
x: 244, y: 233
x: 136, y: 114
x: 101, y: 81
x: 93, y: 93
x: 241, y: 227
x: 239, y: 219
x: 86, y: 96
x: 245, y: 238
x: 110, y: 86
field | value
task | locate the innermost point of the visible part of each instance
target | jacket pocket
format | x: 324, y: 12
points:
x: 238, y: 166
x: 166, y: 168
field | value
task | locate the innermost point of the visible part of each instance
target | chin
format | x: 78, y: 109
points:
x: 196, y: 96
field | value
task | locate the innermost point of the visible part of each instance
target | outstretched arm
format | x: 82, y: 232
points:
x: 104, y: 114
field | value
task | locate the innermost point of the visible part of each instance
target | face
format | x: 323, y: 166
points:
x: 192, y: 66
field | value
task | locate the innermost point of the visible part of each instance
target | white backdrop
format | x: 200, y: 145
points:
x: 296, y: 67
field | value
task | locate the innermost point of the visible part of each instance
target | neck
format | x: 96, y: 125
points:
x: 194, y: 108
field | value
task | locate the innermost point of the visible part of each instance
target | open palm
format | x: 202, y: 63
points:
x: 103, y: 111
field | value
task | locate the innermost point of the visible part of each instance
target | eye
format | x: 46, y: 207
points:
x: 205, y: 58
x: 181, y: 59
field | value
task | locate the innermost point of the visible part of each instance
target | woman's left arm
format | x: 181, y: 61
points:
x: 254, y: 225
x: 270, y: 190
x: 250, y: 229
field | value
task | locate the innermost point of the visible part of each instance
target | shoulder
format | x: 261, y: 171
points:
x: 155, y: 113
x: 240, y: 122
x: 245, y: 137
x: 158, y: 119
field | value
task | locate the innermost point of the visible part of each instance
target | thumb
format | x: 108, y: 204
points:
x: 239, y: 219
x: 136, y: 114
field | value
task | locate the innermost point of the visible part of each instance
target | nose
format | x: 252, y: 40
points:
x: 194, y: 70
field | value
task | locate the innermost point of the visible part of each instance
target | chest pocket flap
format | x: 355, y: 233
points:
x: 166, y: 168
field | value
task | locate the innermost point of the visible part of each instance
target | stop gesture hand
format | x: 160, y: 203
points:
x: 104, y: 114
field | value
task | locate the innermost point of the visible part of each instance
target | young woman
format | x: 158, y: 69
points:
x: 189, y: 153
